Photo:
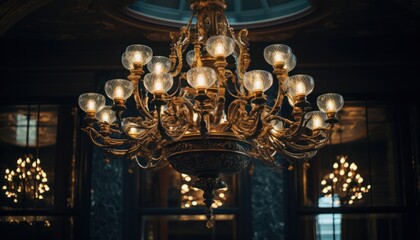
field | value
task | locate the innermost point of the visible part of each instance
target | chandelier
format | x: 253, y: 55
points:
x: 192, y: 197
x: 210, y: 116
x: 344, y: 182
x: 27, y: 181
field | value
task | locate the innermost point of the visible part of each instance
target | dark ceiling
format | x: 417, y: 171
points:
x: 60, y: 49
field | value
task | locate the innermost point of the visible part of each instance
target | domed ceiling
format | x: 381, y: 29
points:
x: 256, y: 13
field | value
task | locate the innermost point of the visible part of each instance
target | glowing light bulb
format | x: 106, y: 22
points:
x: 91, y: 105
x: 133, y: 132
x: 335, y: 165
x: 219, y: 50
x: 323, y: 182
x: 201, y: 81
x: 258, y: 85
x: 331, y: 106
x: 158, y: 87
x: 158, y: 68
x: 317, y: 122
x: 342, y: 160
x: 118, y: 92
x: 277, y: 58
x: 300, y: 89
x: 138, y: 57
x: 105, y: 117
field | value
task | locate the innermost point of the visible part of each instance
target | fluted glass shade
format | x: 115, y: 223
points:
x: 159, y: 65
x: 220, y: 46
x: 291, y: 63
x: 300, y: 85
x: 277, y: 125
x: 277, y: 53
x: 131, y: 128
x: 158, y: 83
x: 201, y: 77
x: 330, y: 102
x: 316, y: 120
x: 138, y: 54
x: 190, y: 57
x: 118, y: 89
x: 257, y: 81
x: 106, y: 115
x: 91, y: 102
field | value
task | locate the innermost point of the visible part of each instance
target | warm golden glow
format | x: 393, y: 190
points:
x: 219, y: 50
x: 344, y: 182
x: 300, y: 88
x: 25, y: 184
x: 138, y: 57
x: 331, y: 106
x: 118, y: 92
x: 91, y: 105
x: 221, y: 106
x: 191, y: 197
x: 278, y: 58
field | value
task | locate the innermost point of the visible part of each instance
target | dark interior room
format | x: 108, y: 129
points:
x: 209, y: 119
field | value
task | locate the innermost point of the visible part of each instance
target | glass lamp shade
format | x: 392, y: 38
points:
x: 290, y: 100
x: 220, y: 46
x: 330, y: 102
x: 201, y: 77
x: 131, y: 128
x: 159, y: 65
x: 91, y: 102
x: 291, y: 63
x: 300, y: 85
x: 316, y: 120
x: 190, y: 57
x: 118, y: 89
x: 277, y: 53
x: 106, y: 115
x: 136, y: 53
x: 157, y: 83
x: 257, y: 81
x: 277, y: 125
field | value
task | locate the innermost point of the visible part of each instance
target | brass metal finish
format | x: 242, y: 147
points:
x: 211, y: 132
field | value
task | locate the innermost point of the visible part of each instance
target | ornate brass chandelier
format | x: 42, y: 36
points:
x: 214, y: 119
x: 344, y: 182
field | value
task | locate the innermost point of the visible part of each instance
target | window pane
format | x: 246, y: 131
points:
x: 358, y: 167
x: 28, y: 145
x: 351, y: 226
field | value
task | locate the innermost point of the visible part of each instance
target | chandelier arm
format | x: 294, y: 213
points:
x: 140, y: 165
x: 160, y: 126
x: 256, y: 130
x: 176, y: 92
x: 234, y: 81
x: 93, y: 134
x: 180, y: 46
x: 282, y: 146
x: 243, y: 57
x: 178, y: 69
x: 297, y: 156
x: 269, y: 160
x: 298, y: 130
x: 134, y: 77
x: 281, y: 75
